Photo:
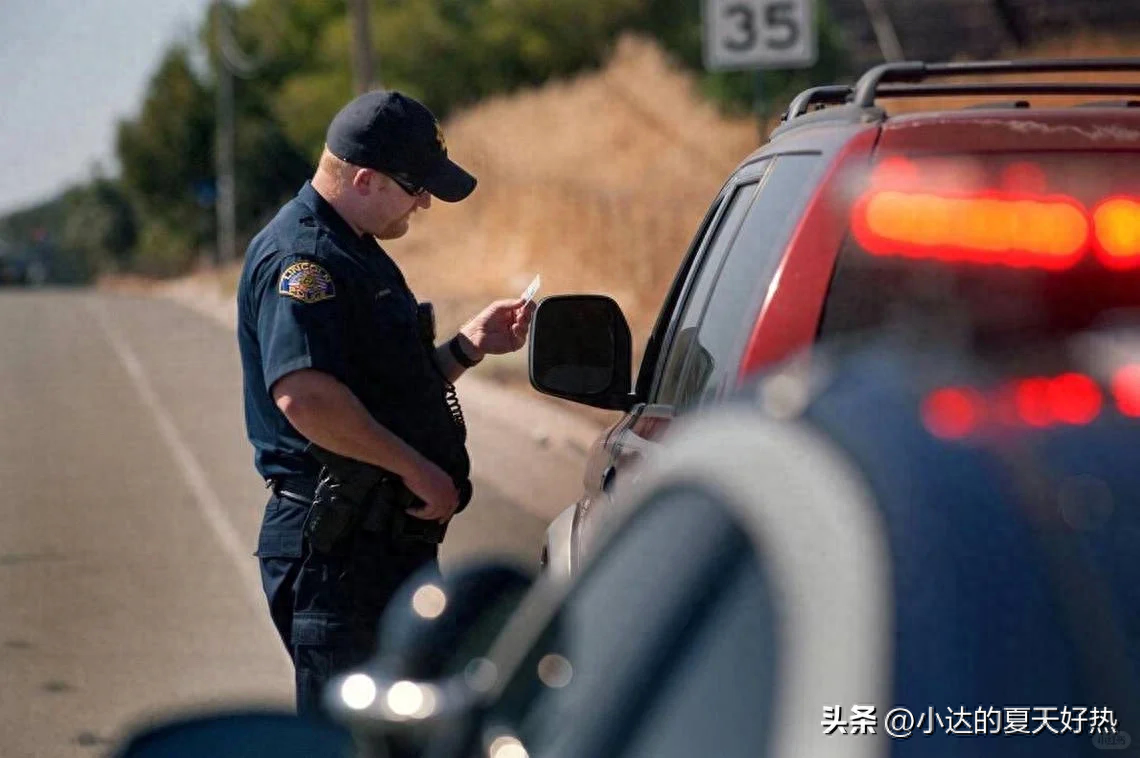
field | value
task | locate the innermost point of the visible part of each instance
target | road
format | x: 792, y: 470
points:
x: 130, y: 509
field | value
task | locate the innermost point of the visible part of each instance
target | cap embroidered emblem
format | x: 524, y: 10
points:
x: 439, y: 138
x: 306, y: 281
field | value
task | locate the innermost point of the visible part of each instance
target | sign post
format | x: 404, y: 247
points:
x: 757, y: 35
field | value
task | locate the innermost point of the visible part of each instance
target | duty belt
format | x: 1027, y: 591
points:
x: 384, y: 511
x: 296, y: 489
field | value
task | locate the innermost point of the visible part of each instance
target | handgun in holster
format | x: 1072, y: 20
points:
x: 352, y: 495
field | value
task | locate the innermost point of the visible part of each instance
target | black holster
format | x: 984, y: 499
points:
x: 352, y: 496
x: 388, y: 512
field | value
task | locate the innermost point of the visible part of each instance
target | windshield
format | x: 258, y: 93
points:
x: 991, y: 249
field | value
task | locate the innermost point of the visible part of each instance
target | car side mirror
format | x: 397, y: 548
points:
x: 423, y: 685
x: 240, y: 735
x: 581, y: 350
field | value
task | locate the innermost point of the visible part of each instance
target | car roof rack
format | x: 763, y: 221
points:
x: 832, y: 94
x: 1005, y: 88
x: 907, y: 79
x: 1012, y: 105
x: 1110, y: 104
x: 870, y: 84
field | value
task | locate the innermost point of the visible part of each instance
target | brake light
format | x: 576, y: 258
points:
x: 1013, y: 229
x: 1117, y: 225
x: 954, y: 211
x: 1126, y: 390
x: 952, y: 413
x: 1032, y: 402
x: 1074, y: 399
x: 1069, y: 399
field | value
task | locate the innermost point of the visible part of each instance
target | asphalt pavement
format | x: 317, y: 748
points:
x: 128, y: 516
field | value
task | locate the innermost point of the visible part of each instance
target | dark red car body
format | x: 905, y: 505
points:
x: 777, y: 272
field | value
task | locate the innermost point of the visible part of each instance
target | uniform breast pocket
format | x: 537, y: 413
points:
x: 398, y: 355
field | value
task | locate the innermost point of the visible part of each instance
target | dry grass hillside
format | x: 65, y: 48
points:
x: 597, y: 183
x: 1080, y: 45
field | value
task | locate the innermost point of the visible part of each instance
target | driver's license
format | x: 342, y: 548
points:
x: 531, y: 290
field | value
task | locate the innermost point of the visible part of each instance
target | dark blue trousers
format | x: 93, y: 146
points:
x: 327, y: 608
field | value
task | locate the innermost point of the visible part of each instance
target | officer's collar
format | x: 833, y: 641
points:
x: 329, y: 217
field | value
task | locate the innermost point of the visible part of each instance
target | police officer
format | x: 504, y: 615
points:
x: 334, y: 355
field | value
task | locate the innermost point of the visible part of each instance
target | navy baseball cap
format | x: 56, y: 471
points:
x: 392, y: 133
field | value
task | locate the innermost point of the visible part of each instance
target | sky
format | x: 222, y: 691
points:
x: 69, y: 71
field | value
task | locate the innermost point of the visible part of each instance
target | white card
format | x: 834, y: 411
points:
x: 529, y: 293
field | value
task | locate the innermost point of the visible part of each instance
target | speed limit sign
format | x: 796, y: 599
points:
x: 745, y: 34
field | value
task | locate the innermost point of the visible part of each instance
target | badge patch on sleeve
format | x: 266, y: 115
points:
x: 306, y: 281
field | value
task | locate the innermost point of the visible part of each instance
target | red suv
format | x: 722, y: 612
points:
x: 999, y: 224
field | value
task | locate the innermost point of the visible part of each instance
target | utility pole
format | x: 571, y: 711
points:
x: 884, y: 29
x: 225, y: 201
x: 230, y: 62
x: 760, y: 104
x: 362, y: 60
x: 1013, y: 21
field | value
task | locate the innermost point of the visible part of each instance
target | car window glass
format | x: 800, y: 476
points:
x: 649, y: 360
x: 701, y: 280
x: 745, y: 276
x: 631, y: 621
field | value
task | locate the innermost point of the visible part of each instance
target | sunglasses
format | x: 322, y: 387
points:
x: 406, y: 184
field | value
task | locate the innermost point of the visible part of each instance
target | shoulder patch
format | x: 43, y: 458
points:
x: 306, y: 281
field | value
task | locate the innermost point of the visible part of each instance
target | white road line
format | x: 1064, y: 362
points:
x: 209, y: 504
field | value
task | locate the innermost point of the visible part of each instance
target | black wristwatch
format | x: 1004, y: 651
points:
x: 457, y: 353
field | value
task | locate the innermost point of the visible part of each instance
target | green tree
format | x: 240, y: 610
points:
x: 157, y: 216
x: 166, y: 157
x: 301, y: 70
x: 98, y: 227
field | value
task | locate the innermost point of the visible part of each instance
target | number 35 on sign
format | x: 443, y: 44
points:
x: 746, y: 34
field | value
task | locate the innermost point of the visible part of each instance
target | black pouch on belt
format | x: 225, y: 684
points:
x: 332, y: 518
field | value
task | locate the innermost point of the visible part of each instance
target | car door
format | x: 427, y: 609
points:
x: 692, y: 285
x: 707, y: 336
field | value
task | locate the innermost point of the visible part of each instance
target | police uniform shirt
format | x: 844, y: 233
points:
x: 315, y: 295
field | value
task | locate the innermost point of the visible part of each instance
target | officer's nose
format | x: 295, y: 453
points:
x: 425, y: 200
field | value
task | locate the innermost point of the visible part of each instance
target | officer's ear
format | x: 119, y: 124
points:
x: 364, y: 180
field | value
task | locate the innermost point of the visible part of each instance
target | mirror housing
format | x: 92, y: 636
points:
x: 240, y: 734
x: 424, y: 686
x: 581, y: 350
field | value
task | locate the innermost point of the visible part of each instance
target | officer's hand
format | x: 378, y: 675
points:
x: 430, y: 484
x: 501, y: 327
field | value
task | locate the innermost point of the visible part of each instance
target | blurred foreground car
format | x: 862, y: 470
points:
x: 1025, y: 217
x: 897, y: 553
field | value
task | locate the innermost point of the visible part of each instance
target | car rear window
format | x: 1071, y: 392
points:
x: 992, y: 248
